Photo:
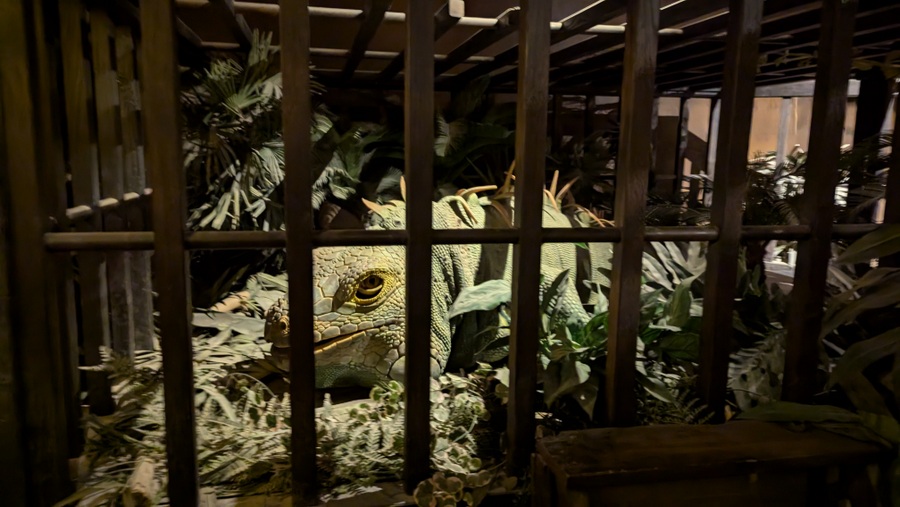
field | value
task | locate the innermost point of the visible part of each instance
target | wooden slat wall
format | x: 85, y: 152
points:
x: 296, y: 113
x: 531, y: 135
x: 162, y: 131
x: 817, y: 208
x: 418, y: 146
x: 135, y: 181
x: 25, y: 92
x: 633, y: 169
x: 742, y: 43
x: 112, y: 176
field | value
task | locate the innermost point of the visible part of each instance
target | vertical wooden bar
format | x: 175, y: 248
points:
x: 164, y: 161
x: 680, y: 144
x: 817, y: 208
x: 787, y: 107
x: 61, y: 314
x: 531, y: 125
x: 296, y: 114
x: 12, y: 450
x: 741, y: 53
x: 41, y: 410
x: 892, y: 192
x: 712, y: 147
x: 83, y: 166
x: 419, y: 136
x: 106, y: 99
x: 636, y: 106
x: 135, y: 180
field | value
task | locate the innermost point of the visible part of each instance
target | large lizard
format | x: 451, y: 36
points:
x: 359, y: 293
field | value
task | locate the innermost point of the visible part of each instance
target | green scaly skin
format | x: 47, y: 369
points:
x: 359, y: 295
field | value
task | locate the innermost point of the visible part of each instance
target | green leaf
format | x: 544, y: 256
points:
x: 655, y: 387
x: 885, y: 425
x: 785, y: 411
x: 884, y: 296
x: 678, y: 310
x: 860, y: 355
x: 863, y: 394
x: 681, y: 346
x: 482, y: 297
x: 879, y: 243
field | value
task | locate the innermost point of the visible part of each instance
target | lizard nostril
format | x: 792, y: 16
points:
x: 283, y: 325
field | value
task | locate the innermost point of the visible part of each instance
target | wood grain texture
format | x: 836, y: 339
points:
x: 418, y: 146
x: 296, y: 115
x: 163, y: 158
x: 507, y: 23
x: 135, y: 180
x: 632, y: 173
x: 531, y: 140
x: 112, y: 177
x: 804, y: 319
x: 729, y: 188
x: 444, y: 19
x: 620, y: 456
x: 40, y: 413
x: 373, y: 14
x: 85, y: 170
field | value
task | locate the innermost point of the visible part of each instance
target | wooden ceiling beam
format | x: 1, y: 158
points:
x: 235, y: 22
x: 507, y: 23
x: 444, y: 19
x: 374, y: 11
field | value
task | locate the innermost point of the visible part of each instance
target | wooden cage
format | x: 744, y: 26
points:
x: 89, y: 102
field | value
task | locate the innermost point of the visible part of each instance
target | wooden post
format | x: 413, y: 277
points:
x: 163, y: 154
x: 531, y: 128
x: 418, y: 135
x: 681, y: 137
x: 744, y: 17
x: 112, y: 178
x: 36, y: 339
x: 296, y: 116
x: 135, y: 180
x: 85, y: 173
x: 817, y: 208
x: 632, y: 173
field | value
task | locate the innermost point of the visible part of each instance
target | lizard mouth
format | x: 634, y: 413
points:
x: 324, y: 345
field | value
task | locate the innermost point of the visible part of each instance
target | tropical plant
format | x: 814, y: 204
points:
x: 243, y: 429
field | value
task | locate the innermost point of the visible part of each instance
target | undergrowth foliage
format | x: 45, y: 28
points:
x: 243, y: 430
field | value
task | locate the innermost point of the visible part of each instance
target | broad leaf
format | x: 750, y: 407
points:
x: 482, y: 297
x: 882, y: 242
x: 682, y: 346
x: 860, y: 355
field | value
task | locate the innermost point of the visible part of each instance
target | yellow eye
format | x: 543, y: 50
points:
x: 369, y: 288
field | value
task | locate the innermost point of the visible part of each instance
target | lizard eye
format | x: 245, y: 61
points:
x: 369, y: 288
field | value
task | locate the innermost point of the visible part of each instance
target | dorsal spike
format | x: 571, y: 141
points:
x: 566, y: 187
x: 403, y: 188
x: 552, y: 199
x: 377, y: 208
x: 466, y: 192
x: 465, y: 206
x: 554, y: 182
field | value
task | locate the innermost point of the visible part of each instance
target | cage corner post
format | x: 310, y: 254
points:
x: 32, y: 385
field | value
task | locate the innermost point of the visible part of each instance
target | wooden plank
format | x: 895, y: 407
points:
x: 85, y: 171
x: 531, y: 139
x: 24, y: 93
x: 892, y: 192
x: 645, y: 454
x: 296, y: 116
x: 135, y: 181
x: 444, y: 19
x: 373, y: 14
x: 418, y: 142
x: 817, y: 208
x: 787, y: 108
x: 595, y: 14
x: 729, y: 187
x: 681, y: 137
x: 507, y: 23
x: 235, y: 22
x: 161, y: 115
x: 112, y: 177
x: 12, y: 449
x: 61, y: 314
x: 632, y: 174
